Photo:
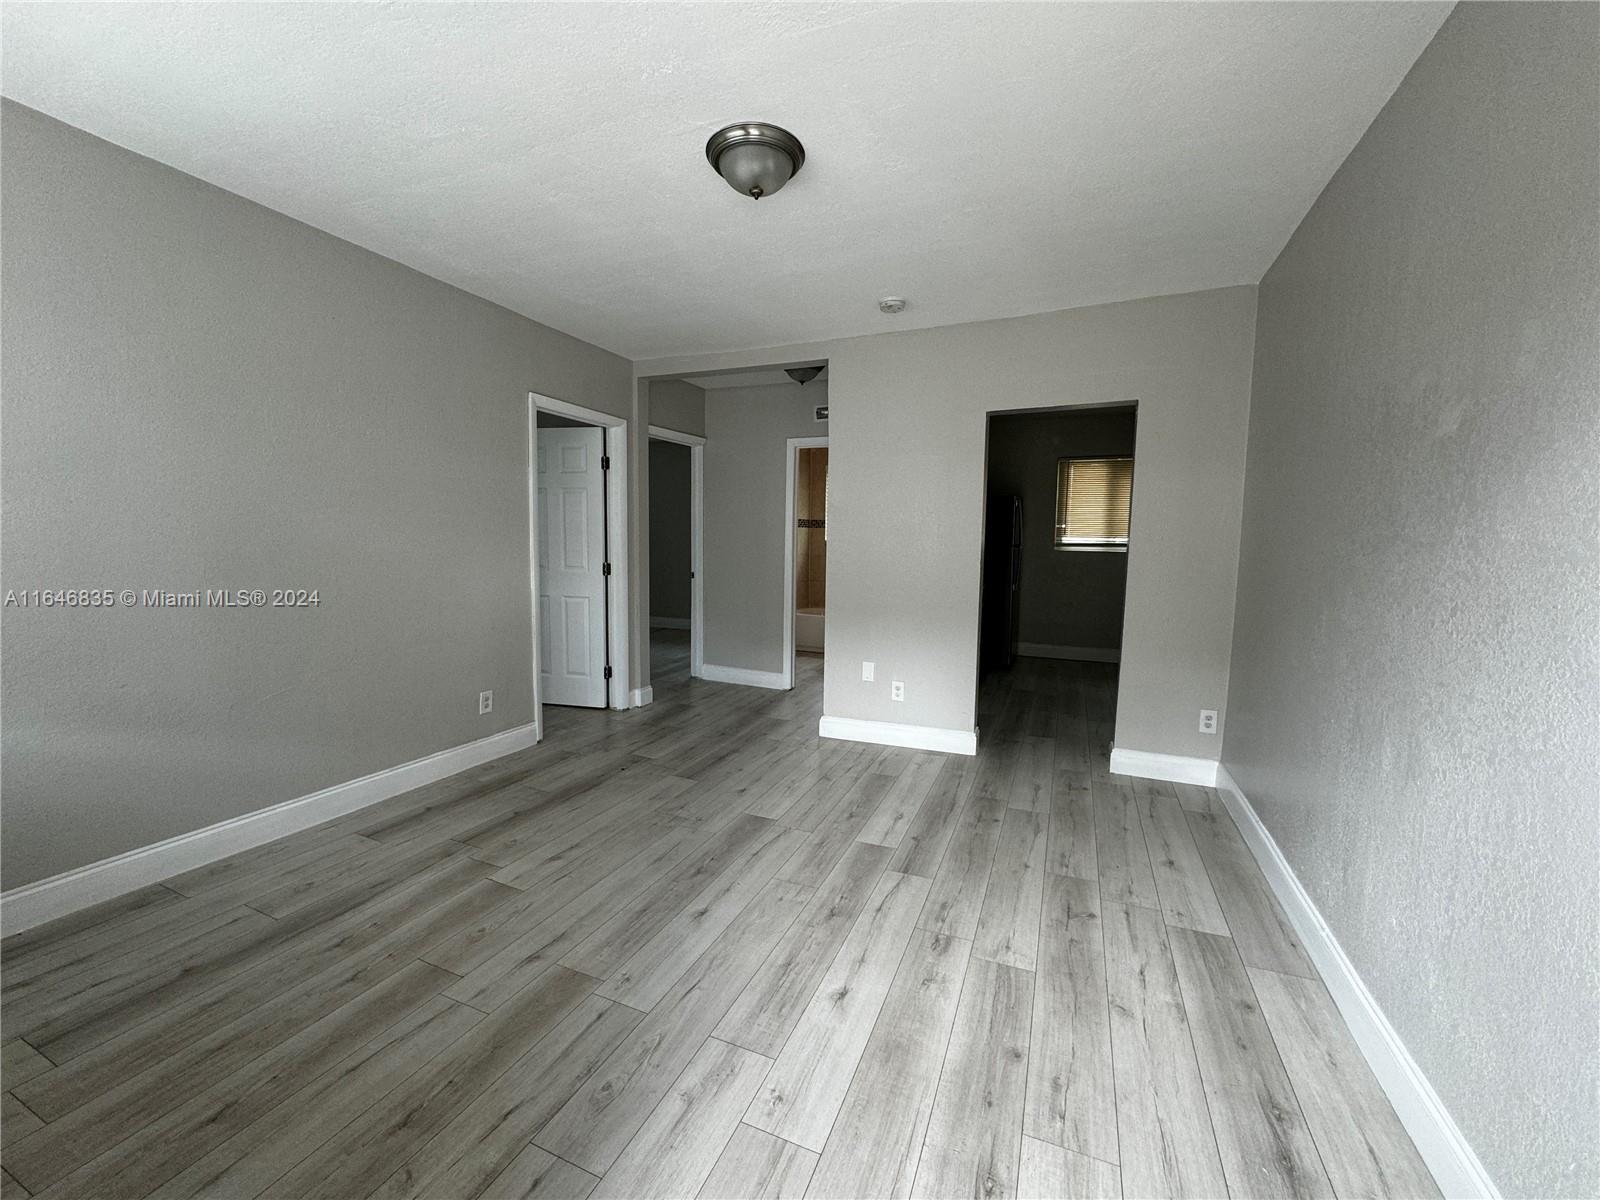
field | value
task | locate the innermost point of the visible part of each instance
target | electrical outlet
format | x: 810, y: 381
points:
x: 897, y: 690
x: 485, y: 703
x: 1208, y: 720
x: 867, y: 671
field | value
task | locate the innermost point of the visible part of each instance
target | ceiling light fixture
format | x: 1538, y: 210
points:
x: 755, y: 158
x: 802, y: 375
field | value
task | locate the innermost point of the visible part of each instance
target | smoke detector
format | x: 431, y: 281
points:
x: 892, y: 305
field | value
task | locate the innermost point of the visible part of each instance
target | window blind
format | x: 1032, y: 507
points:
x: 1092, y: 501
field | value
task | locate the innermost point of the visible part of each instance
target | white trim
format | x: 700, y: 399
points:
x: 618, y: 594
x: 697, y: 561
x: 746, y: 677
x: 887, y: 733
x: 35, y: 903
x: 1176, y: 768
x: 792, y: 457
x: 1438, y: 1139
x: 533, y: 554
x: 697, y: 538
x: 669, y: 622
x: 1074, y: 653
x: 639, y: 697
x: 661, y: 433
x: 576, y: 412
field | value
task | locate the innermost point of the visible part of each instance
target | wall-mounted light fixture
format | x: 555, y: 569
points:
x: 755, y: 158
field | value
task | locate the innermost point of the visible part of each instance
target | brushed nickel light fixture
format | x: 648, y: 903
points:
x: 755, y: 158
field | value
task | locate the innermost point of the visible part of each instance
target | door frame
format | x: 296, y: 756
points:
x: 795, y: 445
x: 697, y: 516
x: 616, y: 449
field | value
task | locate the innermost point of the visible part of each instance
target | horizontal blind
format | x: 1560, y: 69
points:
x: 1092, y: 500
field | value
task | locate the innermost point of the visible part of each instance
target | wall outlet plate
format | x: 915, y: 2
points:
x: 485, y: 703
x: 1208, y: 720
x: 897, y: 690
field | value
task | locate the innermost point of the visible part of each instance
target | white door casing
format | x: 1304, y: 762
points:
x: 572, y: 552
x: 697, y: 520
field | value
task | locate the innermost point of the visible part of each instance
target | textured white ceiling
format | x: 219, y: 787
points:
x: 980, y: 159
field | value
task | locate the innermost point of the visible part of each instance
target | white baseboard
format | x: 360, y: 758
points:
x: 669, y: 622
x: 887, y: 733
x: 1075, y: 653
x: 1175, y: 768
x: 35, y: 903
x: 742, y: 675
x: 639, y: 697
x: 1438, y: 1139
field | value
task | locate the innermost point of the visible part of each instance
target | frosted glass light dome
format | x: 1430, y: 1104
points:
x: 756, y: 159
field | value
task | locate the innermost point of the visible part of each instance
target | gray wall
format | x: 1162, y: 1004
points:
x: 669, y: 530
x: 907, y: 472
x: 200, y: 392
x: 1069, y: 598
x: 1415, y: 657
x: 677, y: 405
x: 906, y: 468
x: 747, y: 432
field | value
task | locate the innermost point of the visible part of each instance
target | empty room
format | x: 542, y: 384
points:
x: 784, y: 599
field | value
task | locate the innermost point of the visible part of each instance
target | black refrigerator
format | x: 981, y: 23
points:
x: 1002, y: 583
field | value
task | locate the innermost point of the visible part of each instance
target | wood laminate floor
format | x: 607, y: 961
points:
x: 693, y: 950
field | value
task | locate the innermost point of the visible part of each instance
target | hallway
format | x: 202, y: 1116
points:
x: 691, y: 949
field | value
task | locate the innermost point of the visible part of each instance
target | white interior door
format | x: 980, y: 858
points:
x: 572, y: 552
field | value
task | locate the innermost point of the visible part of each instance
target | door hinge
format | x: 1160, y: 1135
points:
x: 605, y: 569
x: 605, y: 462
x: 608, y: 672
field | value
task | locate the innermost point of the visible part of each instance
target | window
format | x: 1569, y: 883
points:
x: 1092, y: 500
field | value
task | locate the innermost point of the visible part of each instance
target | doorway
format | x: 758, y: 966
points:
x: 1057, y: 533
x: 577, y: 533
x: 677, y: 520
x: 805, y: 574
